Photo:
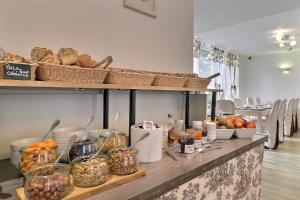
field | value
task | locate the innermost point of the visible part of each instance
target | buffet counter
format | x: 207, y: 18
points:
x: 229, y: 169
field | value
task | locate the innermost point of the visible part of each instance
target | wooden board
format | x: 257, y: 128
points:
x: 15, y: 84
x: 81, y: 193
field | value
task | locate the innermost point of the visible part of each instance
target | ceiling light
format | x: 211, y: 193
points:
x: 282, y: 44
x: 279, y: 37
x: 284, y: 66
x: 293, y: 43
x: 286, y: 72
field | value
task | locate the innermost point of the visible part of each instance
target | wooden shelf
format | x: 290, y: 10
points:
x: 15, y: 84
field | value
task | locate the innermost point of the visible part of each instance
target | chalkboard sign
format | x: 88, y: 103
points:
x: 15, y: 71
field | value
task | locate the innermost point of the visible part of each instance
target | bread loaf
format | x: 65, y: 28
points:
x: 85, y: 61
x: 38, y: 53
x: 68, y: 56
x: 51, y: 59
x: 13, y: 58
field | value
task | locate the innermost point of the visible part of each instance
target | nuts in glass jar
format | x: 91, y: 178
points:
x: 54, y: 185
x: 123, y: 161
x: 116, y: 140
x: 89, y: 172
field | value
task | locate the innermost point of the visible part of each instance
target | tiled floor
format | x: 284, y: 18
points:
x: 281, y: 171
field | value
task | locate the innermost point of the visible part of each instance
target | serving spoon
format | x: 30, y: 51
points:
x: 115, y: 120
x: 66, y: 148
x: 53, y: 126
x: 87, y: 125
x: 139, y: 140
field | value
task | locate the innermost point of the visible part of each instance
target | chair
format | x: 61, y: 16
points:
x: 281, y: 113
x: 272, y: 127
x: 237, y: 102
x: 295, y: 115
x: 226, y: 106
x: 249, y: 101
x: 258, y: 101
x: 288, y: 119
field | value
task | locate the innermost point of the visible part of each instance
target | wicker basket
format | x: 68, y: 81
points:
x: 165, y: 80
x: 50, y: 72
x: 129, y: 77
x: 200, y: 83
x: 33, y: 67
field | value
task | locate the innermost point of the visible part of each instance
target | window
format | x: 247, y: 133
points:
x: 209, y: 60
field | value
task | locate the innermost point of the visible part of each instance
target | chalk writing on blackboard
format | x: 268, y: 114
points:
x: 14, y: 71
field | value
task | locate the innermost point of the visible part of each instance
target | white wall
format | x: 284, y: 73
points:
x: 101, y: 28
x: 262, y: 77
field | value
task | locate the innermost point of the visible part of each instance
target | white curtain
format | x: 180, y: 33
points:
x: 209, y: 60
x: 228, y: 80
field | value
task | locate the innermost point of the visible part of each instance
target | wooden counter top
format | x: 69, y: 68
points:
x: 168, y: 174
x: 16, y: 84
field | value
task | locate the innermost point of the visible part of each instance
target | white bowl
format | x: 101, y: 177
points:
x: 67, y: 132
x: 100, y: 132
x: 16, y: 146
x: 245, y: 133
x: 224, y: 134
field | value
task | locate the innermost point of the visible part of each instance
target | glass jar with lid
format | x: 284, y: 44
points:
x: 87, y: 172
x: 123, y: 161
x: 46, y: 183
x: 81, y: 148
x: 113, y: 138
x: 197, y: 133
x: 37, y: 154
x: 176, y: 131
x: 186, y: 144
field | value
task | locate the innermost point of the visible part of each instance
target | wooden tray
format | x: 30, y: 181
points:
x: 81, y: 193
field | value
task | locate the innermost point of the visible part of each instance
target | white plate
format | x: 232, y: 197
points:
x: 245, y: 133
x: 224, y: 134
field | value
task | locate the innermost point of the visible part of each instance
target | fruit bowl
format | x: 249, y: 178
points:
x: 224, y: 134
x: 245, y: 133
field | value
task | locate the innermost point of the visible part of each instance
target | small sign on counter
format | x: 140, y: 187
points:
x: 14, y: 71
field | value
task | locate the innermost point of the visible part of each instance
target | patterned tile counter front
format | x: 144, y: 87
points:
x: 232, y: 172
x: 237, y: 179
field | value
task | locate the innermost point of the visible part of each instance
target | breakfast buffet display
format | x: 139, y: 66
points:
x: 87, y: 168
x: 102, y: 157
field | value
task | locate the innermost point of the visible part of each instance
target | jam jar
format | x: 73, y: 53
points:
x: 48, y: 182
x: 87, y: 172
x: 186, y: 144
x: 123, y: 161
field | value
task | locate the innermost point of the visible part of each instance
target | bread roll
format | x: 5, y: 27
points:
x: 51, y: 59
x: 85, y: 61
x: 13, y: 58
x: 38, y: 53
x: 68, y: 56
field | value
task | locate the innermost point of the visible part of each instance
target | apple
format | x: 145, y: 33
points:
x: 238, y: 123
x: 250, y: 125
x: 245, y: 123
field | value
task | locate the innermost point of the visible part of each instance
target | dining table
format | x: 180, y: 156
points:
x: 258, y: 112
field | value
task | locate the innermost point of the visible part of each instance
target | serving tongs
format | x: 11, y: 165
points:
x: 106, y: 62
